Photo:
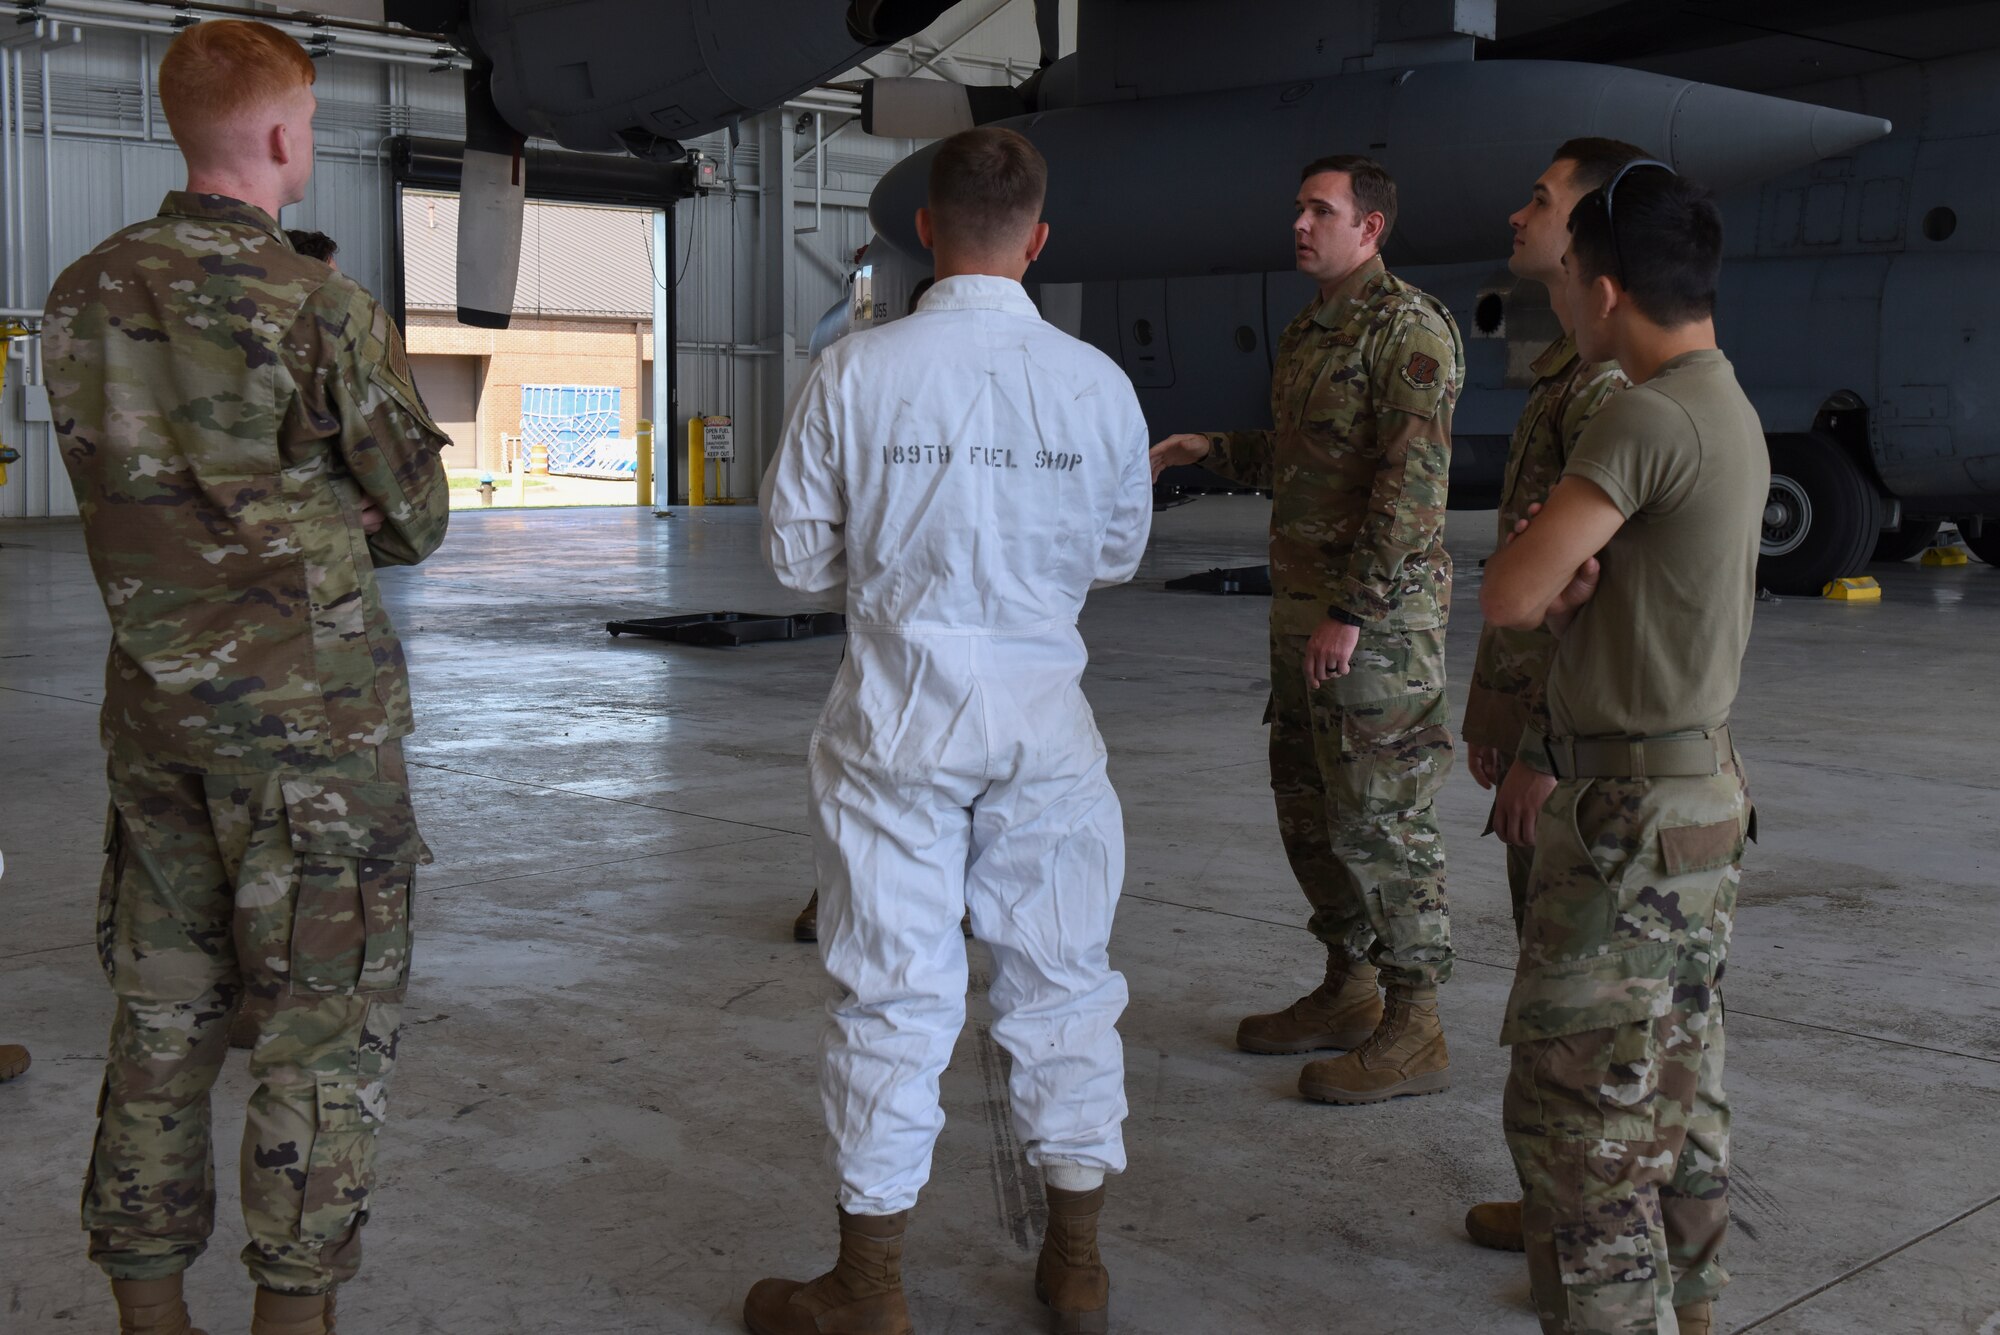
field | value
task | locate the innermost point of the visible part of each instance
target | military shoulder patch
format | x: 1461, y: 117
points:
x: 1421, y: 372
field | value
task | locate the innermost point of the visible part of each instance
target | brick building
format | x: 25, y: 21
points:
x: 583, y: 315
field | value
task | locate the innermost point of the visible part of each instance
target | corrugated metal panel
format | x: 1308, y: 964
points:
x: 575, y: 259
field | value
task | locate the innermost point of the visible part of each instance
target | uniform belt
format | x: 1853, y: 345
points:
x: 1678, y: 756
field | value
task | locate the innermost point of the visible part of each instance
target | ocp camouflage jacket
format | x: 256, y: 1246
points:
x: 1362, y: 391
x: 224, y: 405
x: 1513, y: 665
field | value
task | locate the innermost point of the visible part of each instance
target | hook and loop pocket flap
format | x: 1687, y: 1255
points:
x: 1594, y: 992
x: 354, y: 818
x: 357, y: 846
x: 1692, y: 848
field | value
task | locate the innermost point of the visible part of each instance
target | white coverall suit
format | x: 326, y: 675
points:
x: 966, y: 475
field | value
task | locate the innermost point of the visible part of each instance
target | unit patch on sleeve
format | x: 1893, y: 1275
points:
x: 1422, y: 371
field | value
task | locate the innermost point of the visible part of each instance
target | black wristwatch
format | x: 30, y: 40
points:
x: 1345, y: 617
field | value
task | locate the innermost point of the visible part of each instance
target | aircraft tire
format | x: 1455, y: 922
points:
x: 1900, y: 544
x: 1822, y: 519
x: 1987, y: 545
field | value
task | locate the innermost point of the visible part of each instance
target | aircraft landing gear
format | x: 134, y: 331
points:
x: 1909, y: 539
x: 1981, y: 536
x: 1821, y: 520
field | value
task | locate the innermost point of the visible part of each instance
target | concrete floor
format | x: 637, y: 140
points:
x: 605, y: 1121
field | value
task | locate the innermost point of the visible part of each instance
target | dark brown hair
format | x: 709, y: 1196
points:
x: 1594, y: 161
x: 1374, y: 189
x: 1666, y: 251
x: 985, y: 185
x: 313, y: 245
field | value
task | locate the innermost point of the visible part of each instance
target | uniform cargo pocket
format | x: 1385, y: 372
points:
x: 1690, y: 848
x: 1595, y: 992
x: 1596, y: 1085
x: 1390, y: 664
x: 1394, y: 754
x: 357, y: 847
x: 341, y: 1167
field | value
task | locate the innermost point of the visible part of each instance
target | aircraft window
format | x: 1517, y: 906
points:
x: 1246, y: 338
x: 1940, y: 223
x: 1142, y: 333
x: 1490, y: 313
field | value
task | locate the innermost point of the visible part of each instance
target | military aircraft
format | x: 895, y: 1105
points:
x: 622, y: 76
x: 1854, y: 143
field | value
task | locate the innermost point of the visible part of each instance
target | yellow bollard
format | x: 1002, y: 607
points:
x: 9, y: 331
x: 643, y: 438
x: 697, y: 464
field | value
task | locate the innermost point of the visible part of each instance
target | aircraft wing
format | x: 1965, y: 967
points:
x: 1756, y: 45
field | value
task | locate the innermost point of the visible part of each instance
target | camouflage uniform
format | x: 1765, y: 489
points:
x: 1614, y: 1107
x: 1507, y: 675
x: 1361, y: 398
x: 1614, y: 1112
x: 225, y: 406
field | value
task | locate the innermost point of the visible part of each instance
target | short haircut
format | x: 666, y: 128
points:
x: 1668, y: 243
x: 219, y: 68
x: 313, y: 245
x: 1374, y: 189
x: 986, y: 185
x: 1594, y: 161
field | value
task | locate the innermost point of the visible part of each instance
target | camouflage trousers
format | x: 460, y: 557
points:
x: 286, y: 892
x: 1614, y: 1110
x: 1354, y: 766
x: 1520, y: 861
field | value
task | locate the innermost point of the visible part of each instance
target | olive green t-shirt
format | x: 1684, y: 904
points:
x: 1659, y: 647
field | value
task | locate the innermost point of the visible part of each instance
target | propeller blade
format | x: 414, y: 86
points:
x: 934, y: 108
x: 492, y: 204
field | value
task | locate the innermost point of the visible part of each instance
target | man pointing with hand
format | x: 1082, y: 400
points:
x: 1361, y: 401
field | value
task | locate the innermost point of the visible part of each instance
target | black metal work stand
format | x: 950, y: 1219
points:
x: 731, y: 629
x: 1254, y: 581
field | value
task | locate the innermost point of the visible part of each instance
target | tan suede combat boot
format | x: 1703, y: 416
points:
x: 1496, y: 1225
x: 152, y: 1307
x: 1696, y: 1318
x: 861, y: 1295
x: 1340, y: 1013
x: 292, y: 1313
x: 1405, y: 1055
x: 1070, y: 1276
x: 14, y: 1060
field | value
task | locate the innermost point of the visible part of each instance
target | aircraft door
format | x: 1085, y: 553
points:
x: 1195, y: 349
x: 1937, y: 432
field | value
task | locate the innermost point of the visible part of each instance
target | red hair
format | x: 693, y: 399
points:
x: 218, y: 69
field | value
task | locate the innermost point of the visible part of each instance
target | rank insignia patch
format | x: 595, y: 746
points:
x: 1422, y: 372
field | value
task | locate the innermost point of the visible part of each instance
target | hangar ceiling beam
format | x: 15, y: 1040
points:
x: 320, y: 37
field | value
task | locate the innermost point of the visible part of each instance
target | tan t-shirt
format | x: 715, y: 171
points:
x: 1659, y: 648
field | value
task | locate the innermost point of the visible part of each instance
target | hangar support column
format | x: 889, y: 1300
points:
x: 777, y: 140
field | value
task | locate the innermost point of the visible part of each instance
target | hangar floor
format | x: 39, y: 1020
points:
x: 605, y: 1118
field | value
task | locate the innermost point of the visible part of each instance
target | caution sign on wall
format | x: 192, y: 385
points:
x: 718, y: 439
